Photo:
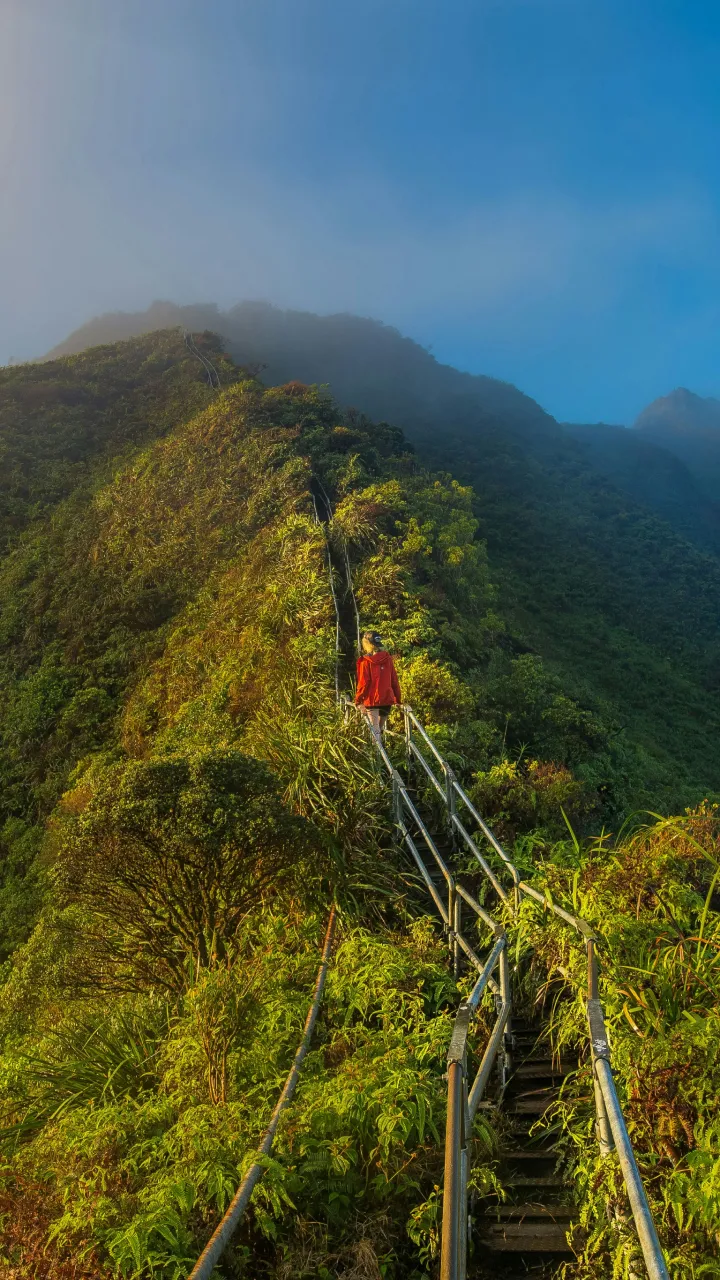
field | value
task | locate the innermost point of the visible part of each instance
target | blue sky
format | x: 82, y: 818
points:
x: 529, y: 187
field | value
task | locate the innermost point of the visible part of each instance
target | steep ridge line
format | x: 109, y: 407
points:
x: 464, y: 1099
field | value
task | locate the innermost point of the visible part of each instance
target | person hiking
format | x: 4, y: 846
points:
x: 378, y: 688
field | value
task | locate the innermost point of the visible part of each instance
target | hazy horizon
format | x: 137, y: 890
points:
x: 529, y: 189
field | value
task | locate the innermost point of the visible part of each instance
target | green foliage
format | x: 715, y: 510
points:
x: 535, y: 795
x: 62, y: 421
x: 145, y: 1169
x: 167, y: 857
x: 181, y: 799
x: 616, y: 601
x: 650, y: 900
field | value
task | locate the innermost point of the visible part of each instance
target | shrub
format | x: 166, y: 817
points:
x: 167, y: 857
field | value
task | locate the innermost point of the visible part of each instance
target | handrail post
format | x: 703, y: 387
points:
x: 506, y: 1002
x: 457, y: 928
x: 453, y: 1256
x: 396, y: 801
x: 463, y: 1217
x: 408, y: 738
x: 450, y: 801
x: 452, y: 899
x: 451, y: 1230
x: 598, y: 1048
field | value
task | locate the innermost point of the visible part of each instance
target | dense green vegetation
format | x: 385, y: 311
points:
x: 182, y: 802
x: 655, y: 477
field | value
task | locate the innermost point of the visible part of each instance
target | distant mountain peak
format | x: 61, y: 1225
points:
x: 688, y: 425
x: 680, y: 412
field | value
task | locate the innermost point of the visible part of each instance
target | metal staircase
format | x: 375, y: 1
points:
x: 529, y: 1230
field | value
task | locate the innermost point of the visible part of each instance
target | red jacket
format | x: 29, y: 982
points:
x: 377, y: 682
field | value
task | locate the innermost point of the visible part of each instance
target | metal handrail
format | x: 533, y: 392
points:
x: 610, y: 1123
x: 463, y: 1097
x: 411, y: 720
x: 462, y: 1106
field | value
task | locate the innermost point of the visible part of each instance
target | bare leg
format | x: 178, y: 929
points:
x: 373, y: 715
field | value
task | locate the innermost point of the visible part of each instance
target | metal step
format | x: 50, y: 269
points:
x: 525, y: 1156
x: 528, y: 1180
x: 532, y: 1209
x: 530, y: 1106
x: 525, y: 1237
x: 541, y: 1067
x: 520, y: 1127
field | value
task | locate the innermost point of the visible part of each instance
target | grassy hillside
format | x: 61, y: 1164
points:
x: 91, y: 590
x: 182, y: 801
x: 61, y: 423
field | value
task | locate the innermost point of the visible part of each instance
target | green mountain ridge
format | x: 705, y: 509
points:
x: 368, y: 364
x: 182, y: 799
x: 592, y: 579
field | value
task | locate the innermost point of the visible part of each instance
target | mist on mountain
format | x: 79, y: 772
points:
x: 689, y: 426
x: 368, y: 364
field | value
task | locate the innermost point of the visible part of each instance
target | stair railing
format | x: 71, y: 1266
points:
x: 462, y: 1105
x: 464, y: 1096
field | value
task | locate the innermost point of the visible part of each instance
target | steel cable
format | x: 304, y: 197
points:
x: 224, y: 1232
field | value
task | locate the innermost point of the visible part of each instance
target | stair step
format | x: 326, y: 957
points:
x: 527, y: 1180
x: 539, y: 1068
x: 546, y: 1093
x: 530, y: 1209
x: 525, y: 1237
x: 526, y: 1154
x: 531, y: 1107
x: 523, y: 1155
x: 520, y: 1126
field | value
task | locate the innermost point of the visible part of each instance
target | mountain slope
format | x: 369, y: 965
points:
x: 368, y: 364
x: 625, y: 612
x: 689, y: 426
x: 114, y: 552
x: 655, y: 477
x: 61, y: 420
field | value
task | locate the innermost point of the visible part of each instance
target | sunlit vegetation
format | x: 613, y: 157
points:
x: 652, y: 899
x: 182, y: 801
